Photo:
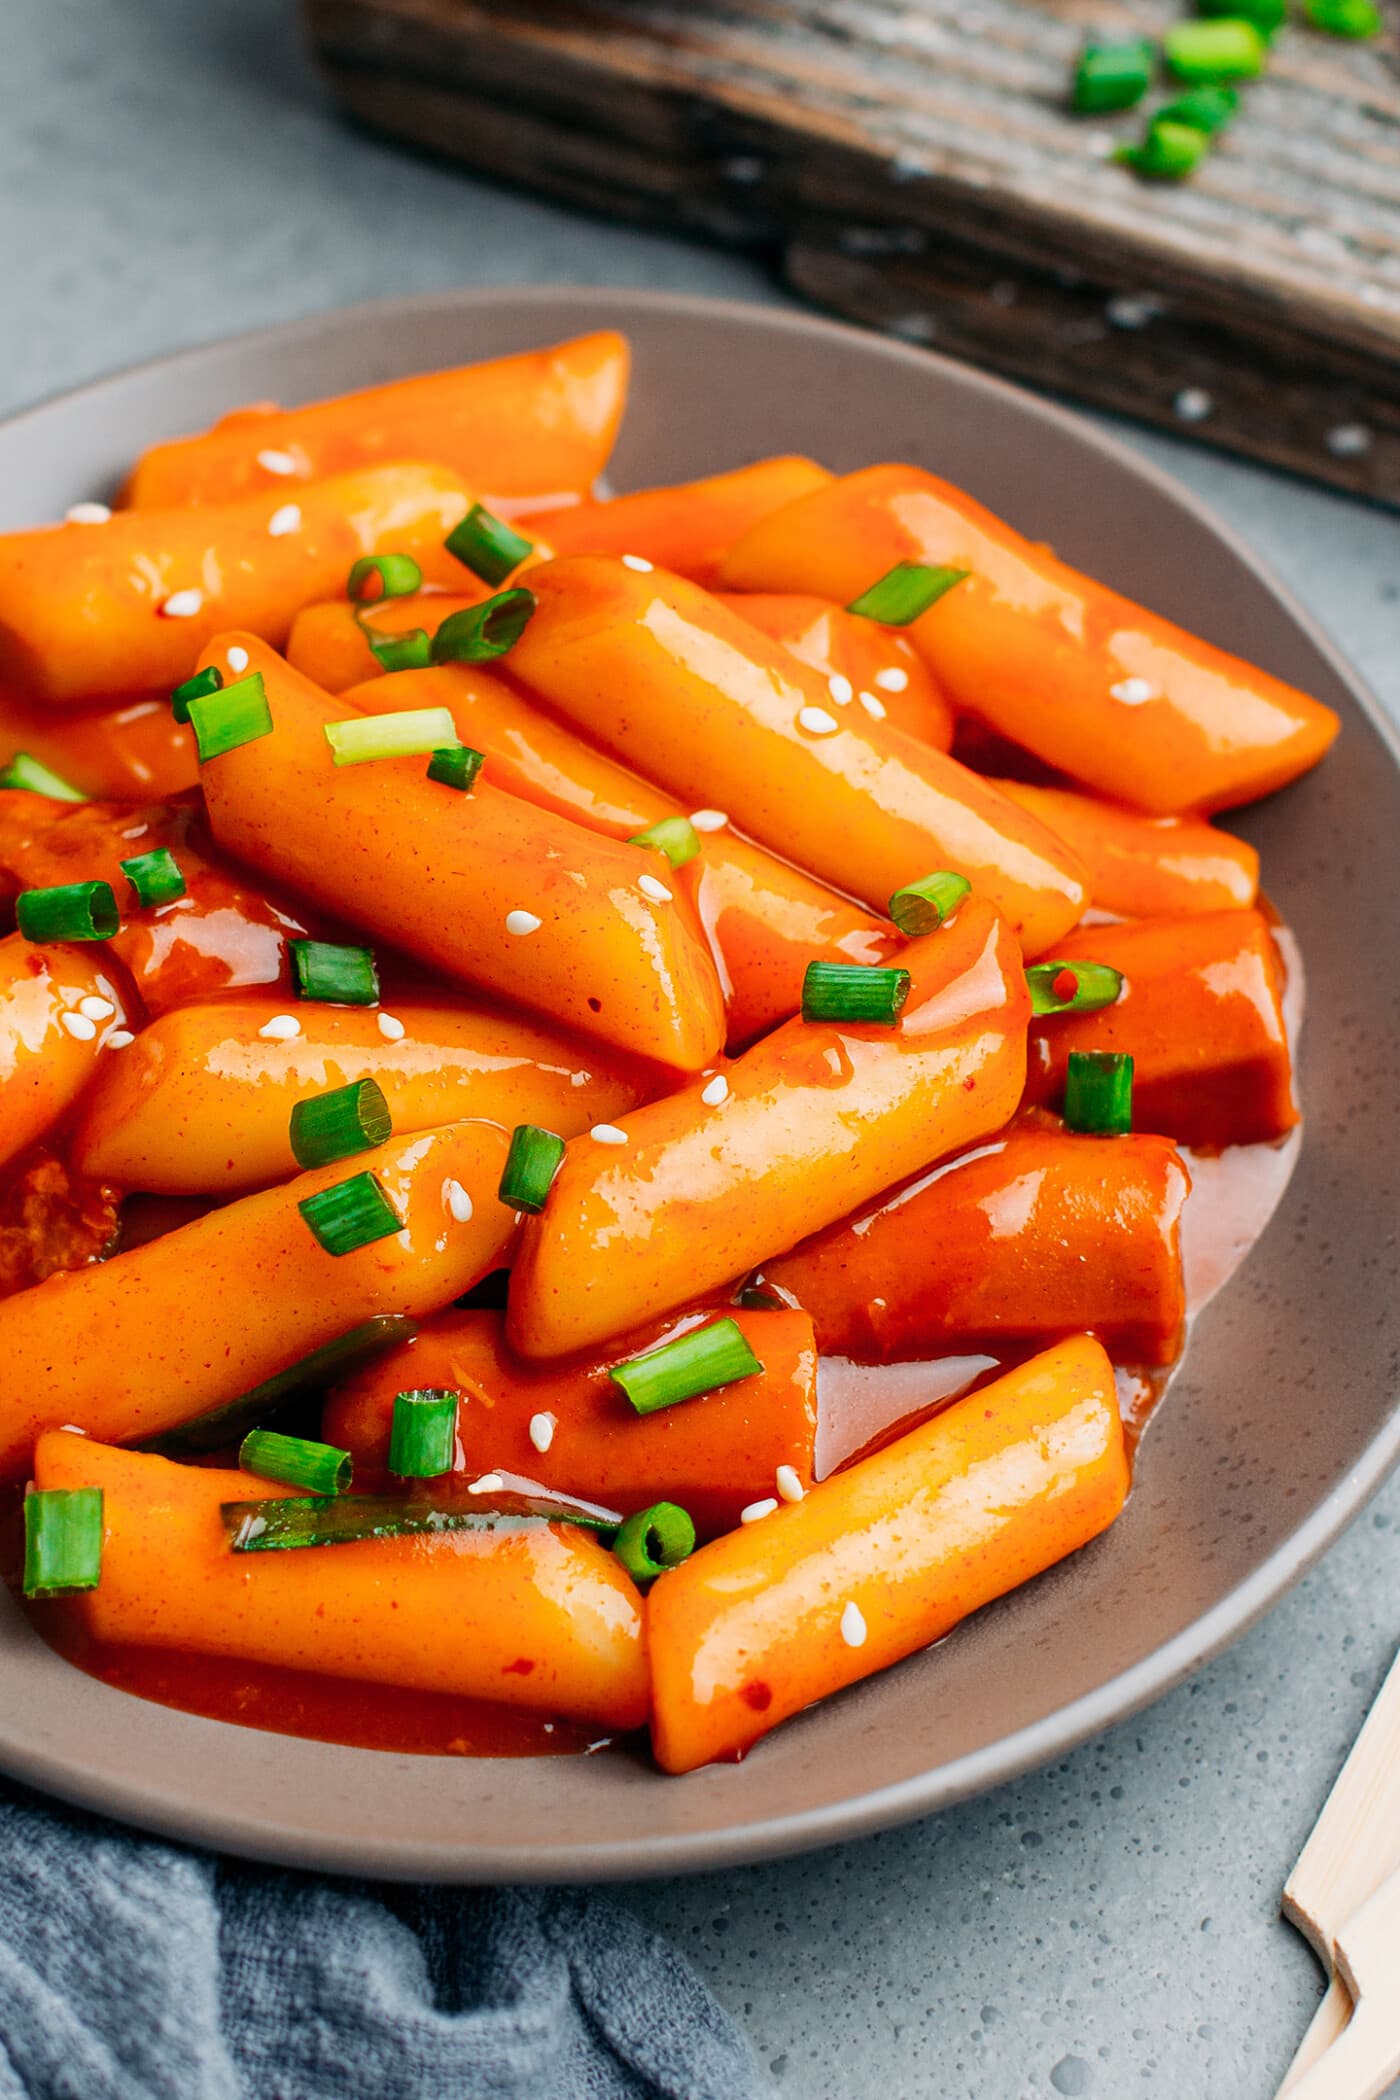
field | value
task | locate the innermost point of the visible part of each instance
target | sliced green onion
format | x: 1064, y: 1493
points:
x: 1099, y: 1093
x: 456, y: 765
x: 69, y: 911
x: 298, y: 1462
x: 197, y: 688
x: 531, y: 1165
x: 1210, y: 52
x: 1072, y: 987
x: 350, y: 1214
x: 1349, y: 18
x: 1207, y: 109
x: 155, y: 877
x: 334, y: 975
x: 63, y: 1531
x: 423, y: 1433
x: 922, y: 906
x: 1112, y: 76
x: 483, y: 632
x: 694, y: 1363
x: 401, y: 652
x: 236, y: 714
x: 324, y: 1367
x: 654, y: 1540
x: 339, y: 1123
x: 390, y: 736
x: 908, y: 590
x: 676, y: 837
x: 398, y: 576
x: 1167, y: 152
x: 487, y: 545
x: 31, y: 773
x: 857, y: 992
x: 1266, y: 15
x: 343, y: 1520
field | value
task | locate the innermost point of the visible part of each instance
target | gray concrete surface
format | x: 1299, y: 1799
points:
x: 168, y: 173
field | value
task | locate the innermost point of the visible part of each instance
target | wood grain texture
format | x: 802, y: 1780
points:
x: 916, y: 168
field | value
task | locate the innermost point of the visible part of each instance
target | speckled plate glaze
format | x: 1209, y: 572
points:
x: 1285, y: 1418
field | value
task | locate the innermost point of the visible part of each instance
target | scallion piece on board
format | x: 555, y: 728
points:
x: 376, y: 577
x: 531, y: 1165
x: 407, y: 735
x: 155, y: 876
x: 69, y: 911
x: 906, y: 591
x: 63, y: 1531
x: 654, y: 1540
x: 236, y: 714
x: 339, y: 1123
x: 1207, y: 109
x: 197, y: 688
x: 1266, y: 15
x: 922, y: 906
x: 1166, y: 152
x: 483, y: 632
x: 315, y: 1373
x: 334, y: 975
x: 676, y: 837
x: 350, y: 1214
x: 23, y: 771
x: 857, y: 992
x: 296, y: 1461
x: 288, y: 1521
x: 1072, y: 987
x: 423, y: 1433
x: 1349, y: 18
x: 400, y: 652
x: 1099, y: 1093
x: 1207, y: 53
x: 487, y: 545
x: 1112, y: 76
x: 694, y: 1363
x: 456, y: 765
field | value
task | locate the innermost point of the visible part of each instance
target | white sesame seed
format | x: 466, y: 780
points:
x: 1348, y: 440
x: 277, y: 462
x: 840, y: 689
x: 892, y: 679
x: 391, y: 1028
x: 237, y: 658
x: 638, y: 562
x: 608, y: 1134
x: 1132, y: 310
x: 708, y: 819
x: 716, y: 1091
x: 87, y: 514
x: 789, y: 1486
x: 489, y: 1484
x: 285, y: 520
x: 120, y: 1038
x: 522, y: 922
x: 281, y: 1028
x: 650, y: 887
x: 80, y: 1026
x: 96, y: 1009
x: 542, y: 1428
x: 758, y: 1510
x: 1193, y: 404
x: 817, y: 722
x: 853, y: 1627
x: 182, y: 605
x: 876, y: 709
x: 457, y: 1201
x: 1133, y: 692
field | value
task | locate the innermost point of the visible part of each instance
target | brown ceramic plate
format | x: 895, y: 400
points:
x: 1285, y: 1418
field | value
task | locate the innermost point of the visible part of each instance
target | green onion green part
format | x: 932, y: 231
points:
x: 350, y: 1214
x: 69, y: 911
x: 1350, y: 18
x: 1112, y: 76
x: 397, y: 576
x: 401, y: 652
x: 1072, y: 987
x: 531, y: 1165
x: 423, y: 1434
x: 855, y: 992
x: 676, y: 837
x: 31, y: 773
x: 197, y: 688
x: 339, y: 1123
x: 922, y: 906
x: 1268, y: 16
x: 236, y: 714
x: 1209, y: 53
x: 334, y: 975
x: 481, y: 633
x: 694, y: 1363
x: 487, y: 545
x: 155, y: 876
x: 1167, y: 152
x: 323, y: 1368
x: 1207, y: 109
x: 407, y: 735
x: 63, y: 1532
x: 456, y: 765
x: 654, y: 1540
x: 296, y: 1461
x: 905, y: 592
x: 1099, y: 1093
x: 343, y: 1520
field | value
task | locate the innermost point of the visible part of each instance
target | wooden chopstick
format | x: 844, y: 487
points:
x: 1365, y: 2058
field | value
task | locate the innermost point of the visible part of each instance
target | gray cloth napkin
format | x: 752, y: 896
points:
x: 136, y: 1970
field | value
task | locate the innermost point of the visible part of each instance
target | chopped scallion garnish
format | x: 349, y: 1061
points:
x: 1072, y: 987
x: 1208, y: 109
x: 323, y: 1368
x: 423, y: 1433
x: 407, y: 735
x: 694, y: 1363
x: 676, y: 837
x: 1206, y: 53
x: 401, y: 652
x: 456, y: 765
x: 922, y: 906
x: 1266, y: 15
x: 1349, y: 18
x: 1099, y: 1093
x: 487, y: 545
x: 296, y: 1461
x: 1167, y: 152
x: 350, y: 1214
x: 531, y: 1165
x: 483, y: 632
x: 375, y: 577
x: 857, y: 992
x: 155, y: 876
x: 63, y: 1532
x: 199, y: 687
x: 23, y: 771
x: 343, y: 1520
x: 654, y: 1540
x: 69, y: 911
x: 905, y: 592
x: 236, y: 714
x: 334, y: 975
x: 1112, y: 76
x: 339, y: 1123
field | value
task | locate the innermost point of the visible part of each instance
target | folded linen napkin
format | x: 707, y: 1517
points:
x: 136, y: 1970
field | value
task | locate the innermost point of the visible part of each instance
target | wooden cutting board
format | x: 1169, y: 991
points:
x: 914, y: 165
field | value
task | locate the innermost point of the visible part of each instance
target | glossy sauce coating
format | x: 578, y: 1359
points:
x: 1143, y: 867
x: 49, y: 1047
x: 888, y: 678
x: 135, y: 752
x: 327, y: 643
